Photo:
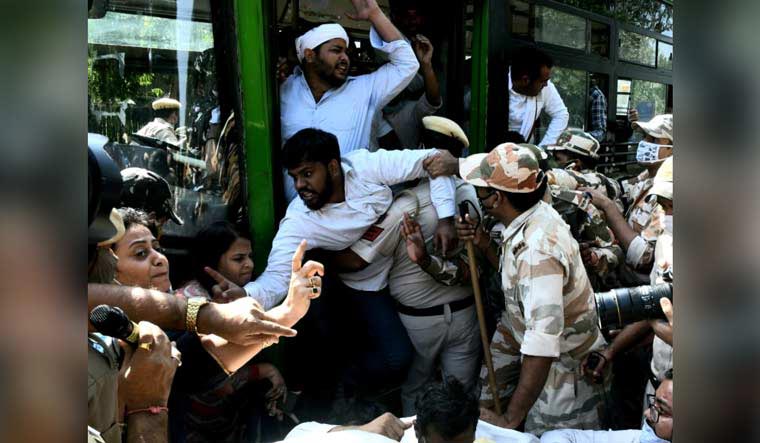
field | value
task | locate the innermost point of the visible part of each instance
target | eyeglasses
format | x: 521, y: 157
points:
x: 653, y: 408
x: 482, y: 199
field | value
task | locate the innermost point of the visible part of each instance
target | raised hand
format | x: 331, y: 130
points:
x: 364, y: 9
x: 305, y: 283
x: 468, y: 229
x: 423, y: 49
x: 224, y: 290
x: 415, y: 242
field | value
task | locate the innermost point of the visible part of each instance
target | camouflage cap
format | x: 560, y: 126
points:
x: 660, y: 126
x: 663, y: 181
x: 446, y: 127
x: 578, y: 141
x: 508, y: 167
x: 146, y: 190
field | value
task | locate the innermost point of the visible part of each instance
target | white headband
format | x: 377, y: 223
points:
x: 319, y: 35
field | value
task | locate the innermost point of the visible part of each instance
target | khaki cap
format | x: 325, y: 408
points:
x: 663, y: 181
x: 508, y: 167
x: 660, y: 126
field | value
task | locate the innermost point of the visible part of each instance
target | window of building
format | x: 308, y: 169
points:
x: 638, y: 48
x: 600, y: 39
x: 560, y: 28
x: 623, y: 96
x: 653, y: 15
x: 664, y: 55
x: 649, y: 98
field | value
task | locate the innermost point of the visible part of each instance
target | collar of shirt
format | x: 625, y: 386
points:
x: 519, y: 222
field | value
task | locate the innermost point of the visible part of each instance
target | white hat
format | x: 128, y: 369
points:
x: 165, y: 103
x: 445, y: 126
x: 315, y: 37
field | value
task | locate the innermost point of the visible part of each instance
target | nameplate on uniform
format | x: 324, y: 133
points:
x: 519, y: 247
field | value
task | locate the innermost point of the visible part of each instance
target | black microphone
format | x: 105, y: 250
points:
x: 113, y: 322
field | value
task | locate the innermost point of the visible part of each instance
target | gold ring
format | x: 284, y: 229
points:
x: 146, y: 346
x: 314, y: 290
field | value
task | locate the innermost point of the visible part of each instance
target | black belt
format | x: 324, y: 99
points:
x: 435, y: 310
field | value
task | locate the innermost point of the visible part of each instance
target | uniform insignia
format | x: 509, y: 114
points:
x: 372, y: 233
x: 519, y: 247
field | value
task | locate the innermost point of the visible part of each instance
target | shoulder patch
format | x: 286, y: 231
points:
x: 372, y: 233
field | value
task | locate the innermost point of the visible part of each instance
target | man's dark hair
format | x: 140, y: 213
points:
x: 209, y: 246
x: 514, y: 137
x: 165, y: 112
x: 524, y: 201
x: 669, y: 374
x: 447, y: 408
x: 310, y: 145
x: 528, y: 60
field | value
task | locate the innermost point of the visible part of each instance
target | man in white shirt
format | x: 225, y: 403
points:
x: 320, y: 93
x: 657, y: 427
x: 446, y: 412
x: 532, y: 92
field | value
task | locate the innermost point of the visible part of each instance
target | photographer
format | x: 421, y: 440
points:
x: 662, y: 272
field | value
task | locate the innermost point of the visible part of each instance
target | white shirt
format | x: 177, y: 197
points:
x: 578, y: 436
x: 524, y: 110
x: 336, y: 226
x: 346, y: 111
x: 308, y: 432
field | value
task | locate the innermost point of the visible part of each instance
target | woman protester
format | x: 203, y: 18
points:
x: 208, y: 360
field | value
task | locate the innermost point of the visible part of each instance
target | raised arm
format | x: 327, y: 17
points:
x: 394, y: 76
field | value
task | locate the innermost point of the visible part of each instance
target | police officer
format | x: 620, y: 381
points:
x: 166, y: 112
x: 550, y: 323
x: 148, y: 191
x: 577, y: 152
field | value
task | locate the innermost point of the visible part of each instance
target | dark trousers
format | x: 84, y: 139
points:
x: 350, y: 338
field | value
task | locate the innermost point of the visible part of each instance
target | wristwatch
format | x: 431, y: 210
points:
x: 194, y: 305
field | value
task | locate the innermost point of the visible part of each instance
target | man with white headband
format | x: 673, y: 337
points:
x: 644, y: 220
x: 320, y: 93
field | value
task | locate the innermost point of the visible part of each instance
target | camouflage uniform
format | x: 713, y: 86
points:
x: 549, y: 301
x: 645, y: 215
x: 587, y: 223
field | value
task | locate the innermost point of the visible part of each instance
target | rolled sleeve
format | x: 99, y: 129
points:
x: 541, y: 287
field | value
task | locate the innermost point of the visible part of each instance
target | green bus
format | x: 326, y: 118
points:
x: 221, y: 59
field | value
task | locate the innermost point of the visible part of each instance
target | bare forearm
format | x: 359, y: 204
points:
x: 432, y: 89
x: 387, y: 31
x: 148, y: 428
x: 628, y: 337
x: 533, y: 375
x: 164, y: 310
x: 229, y: 356
x: 620, y: 227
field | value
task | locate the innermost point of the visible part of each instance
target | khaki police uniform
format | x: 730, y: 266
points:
x: 102, y: 386
x: 436, y: 307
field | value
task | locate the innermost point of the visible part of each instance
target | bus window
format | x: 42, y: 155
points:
x: 140, y: 51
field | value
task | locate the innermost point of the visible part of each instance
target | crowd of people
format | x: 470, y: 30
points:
x: 415, y: 292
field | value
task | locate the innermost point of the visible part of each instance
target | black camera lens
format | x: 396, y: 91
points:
x: 620, y: 307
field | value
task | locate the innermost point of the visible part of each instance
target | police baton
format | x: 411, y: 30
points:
x: 481, y: 315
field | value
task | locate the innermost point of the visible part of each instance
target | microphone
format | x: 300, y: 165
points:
x: 113, y: 322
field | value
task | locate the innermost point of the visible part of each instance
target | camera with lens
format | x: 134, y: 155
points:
x: 620, y: 307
